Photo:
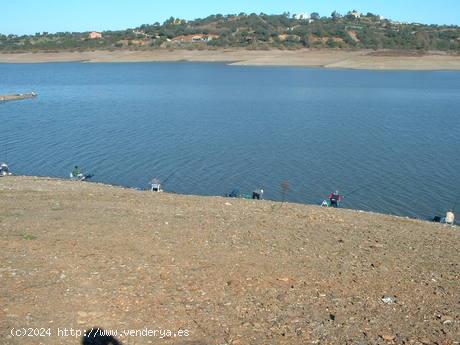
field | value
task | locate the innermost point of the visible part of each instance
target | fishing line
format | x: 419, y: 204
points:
x: 169, y: 176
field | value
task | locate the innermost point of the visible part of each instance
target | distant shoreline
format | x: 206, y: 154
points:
x: 346, y: 59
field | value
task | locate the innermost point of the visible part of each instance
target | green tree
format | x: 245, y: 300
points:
x: 336, y: 15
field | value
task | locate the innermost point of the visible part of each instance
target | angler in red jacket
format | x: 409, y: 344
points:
x: 335, y: 198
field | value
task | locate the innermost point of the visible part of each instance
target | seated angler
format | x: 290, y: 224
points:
x: 76, y: 173
x: 4, y: 170
x: 258, y: 194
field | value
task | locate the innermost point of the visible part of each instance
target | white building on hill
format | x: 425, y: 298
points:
x: 302, y: 16
x: 354, y: 14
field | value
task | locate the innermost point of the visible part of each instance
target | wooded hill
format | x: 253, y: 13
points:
x: 253, y: 31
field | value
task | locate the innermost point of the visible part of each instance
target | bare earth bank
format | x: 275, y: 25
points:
x: 312, y: 58
x: 228, y: 271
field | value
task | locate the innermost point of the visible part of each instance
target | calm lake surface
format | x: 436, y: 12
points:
x: 389, y: 141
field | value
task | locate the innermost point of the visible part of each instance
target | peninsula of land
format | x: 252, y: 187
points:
x: 17, y: 97
x: 327, y: 58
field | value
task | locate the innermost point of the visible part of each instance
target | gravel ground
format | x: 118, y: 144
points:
x: 218, y: 271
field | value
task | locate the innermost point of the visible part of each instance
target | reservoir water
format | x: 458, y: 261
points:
x: 389, y: 141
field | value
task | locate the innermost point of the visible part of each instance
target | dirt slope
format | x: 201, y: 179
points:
x: 225, y: 271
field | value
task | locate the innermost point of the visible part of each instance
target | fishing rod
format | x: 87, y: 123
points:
x: 169, y: 176
x: 360, y: 188
x: 165, y: 180
x: 370, y: 184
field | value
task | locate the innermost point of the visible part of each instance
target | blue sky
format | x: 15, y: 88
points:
x: 30, y: 16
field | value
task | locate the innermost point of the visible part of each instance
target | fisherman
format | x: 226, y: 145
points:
x: 77, y: 173
x: 155, y: 185
x: 258, y: 194
x: 335, y: 198
x: 450, y: 217
x: 4, y: 170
